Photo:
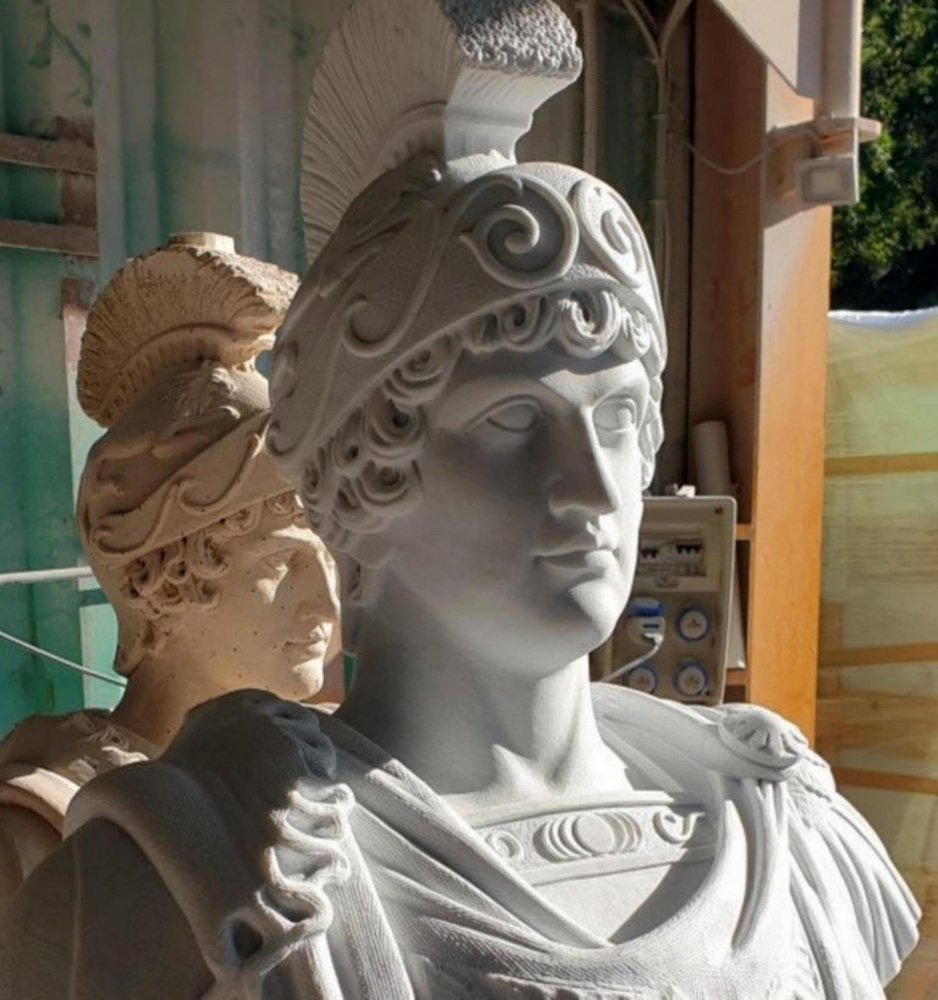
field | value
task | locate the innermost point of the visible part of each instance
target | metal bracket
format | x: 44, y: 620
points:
x: 824, y: 168
x: 69, y: 157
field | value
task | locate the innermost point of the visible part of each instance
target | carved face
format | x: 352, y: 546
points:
x: 276, y: 609
x: 249, y: 603
x: 525, y: 537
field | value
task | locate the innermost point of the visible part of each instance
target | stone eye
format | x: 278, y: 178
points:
x: 617, y: 415
x: 517, y: 418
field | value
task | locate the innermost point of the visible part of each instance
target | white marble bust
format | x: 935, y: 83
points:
x: 217, y: 581
x: 467, y: 396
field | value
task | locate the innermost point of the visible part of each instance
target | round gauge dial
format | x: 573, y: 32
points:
x: 643, y: 679
x: 691, y: 679
x: 693, y: 624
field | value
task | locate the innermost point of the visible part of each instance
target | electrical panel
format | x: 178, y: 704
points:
x: 672, y: 639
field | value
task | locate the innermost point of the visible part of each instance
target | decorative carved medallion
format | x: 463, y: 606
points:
x: 587, y: 835
x: 761, y: 736
x: 613, y: 837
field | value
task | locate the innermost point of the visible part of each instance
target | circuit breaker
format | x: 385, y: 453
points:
x: 672, y: 639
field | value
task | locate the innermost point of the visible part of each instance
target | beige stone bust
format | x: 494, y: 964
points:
x: 217, y: 581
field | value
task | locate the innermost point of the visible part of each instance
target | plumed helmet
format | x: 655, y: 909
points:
x: 427, y: 239
x: 167, y: 366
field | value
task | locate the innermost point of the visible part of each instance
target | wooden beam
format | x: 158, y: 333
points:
x: 913, y: 783
x: 871, y: 656
x: 75, y: 241
x: 48, y: 154
x: 788, y: 477
x: 761, y: 266
x: 728, y: 114
x: 877, y: 465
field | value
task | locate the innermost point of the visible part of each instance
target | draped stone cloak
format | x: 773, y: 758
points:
x: 276, y: 854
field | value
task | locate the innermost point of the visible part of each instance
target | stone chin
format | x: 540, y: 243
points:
x: 307, y: 677
x: 562, y: 615
x: 584, y: 613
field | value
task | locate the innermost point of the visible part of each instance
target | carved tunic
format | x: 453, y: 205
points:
x: 281, y: 855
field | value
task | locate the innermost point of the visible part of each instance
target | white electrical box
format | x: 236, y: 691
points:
x: 675, y: 627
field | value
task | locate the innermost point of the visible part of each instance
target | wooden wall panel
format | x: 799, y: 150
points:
x: 784, y: 583
x: 878, y: 690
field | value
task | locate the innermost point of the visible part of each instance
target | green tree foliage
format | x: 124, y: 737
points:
x: 886, y: 247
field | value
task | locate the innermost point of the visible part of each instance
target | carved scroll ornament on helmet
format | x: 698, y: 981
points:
x: 534, y: 251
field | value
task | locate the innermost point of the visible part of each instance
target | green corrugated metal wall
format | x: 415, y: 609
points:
x: 44, y: 74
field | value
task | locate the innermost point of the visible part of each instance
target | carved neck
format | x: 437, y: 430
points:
x: 161, y: 691
x: 481, y: 730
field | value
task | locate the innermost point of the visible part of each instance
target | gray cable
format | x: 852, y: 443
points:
x: 47, y: 575
x: 656, y: 642
x: 61, y: 659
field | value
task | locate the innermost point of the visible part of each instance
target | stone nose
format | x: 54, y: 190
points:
x: 323, y: 607
x: 586, y: 483
x: 308, y: 612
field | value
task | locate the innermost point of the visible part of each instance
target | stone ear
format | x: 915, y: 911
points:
x: 137, y: 639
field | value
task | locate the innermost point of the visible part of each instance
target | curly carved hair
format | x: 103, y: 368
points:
x: 366, y: 475
x: 183, y: 576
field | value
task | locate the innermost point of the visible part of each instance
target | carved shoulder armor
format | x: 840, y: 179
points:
x: 736, y: 741
x: 852, y: 901
x: 244, y: 797
x: 843, y: 881
x: 768, y: 740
